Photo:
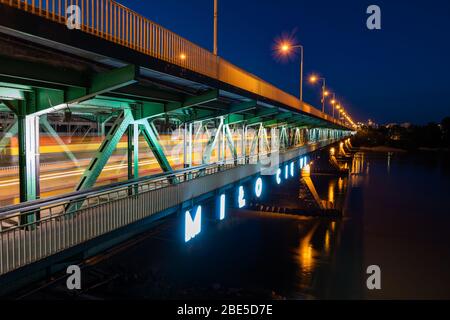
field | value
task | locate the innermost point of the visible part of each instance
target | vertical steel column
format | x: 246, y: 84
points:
x: 28, y: 156
x: 230, y: 141
x: 187, y: 148
x: 244, y: 142
x: 29, y: 162
x: 135, y: 150
x: 130, y: 151
x: 223, y: 138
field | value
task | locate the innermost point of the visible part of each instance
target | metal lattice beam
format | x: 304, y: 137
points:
x: 151, y: 136
x: 212, y: 142
x: 105, y: 150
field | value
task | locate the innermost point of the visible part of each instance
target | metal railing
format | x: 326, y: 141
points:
x: 112, y: 21
x: 54, y: 224
x: 54, y: 227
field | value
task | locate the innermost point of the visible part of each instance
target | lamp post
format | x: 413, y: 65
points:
x: 215, y: 27
x: 314, y: 79
x: 285, y: 48
x: 333, y: 102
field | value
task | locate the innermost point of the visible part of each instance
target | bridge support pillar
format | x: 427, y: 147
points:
x: 29, y: 161
x: 187, y: 145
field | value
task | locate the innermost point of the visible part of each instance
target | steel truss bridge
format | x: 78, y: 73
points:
x: 124, y: 77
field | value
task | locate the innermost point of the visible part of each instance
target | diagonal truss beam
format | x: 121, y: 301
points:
x: 151, y: 136
x: 105, y: 150
x: 212, y: 142
x: 46, y: 125
x: 230, y: 141
x: 10, y: 132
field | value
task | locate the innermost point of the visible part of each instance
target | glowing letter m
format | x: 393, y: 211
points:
x: 193, y: 226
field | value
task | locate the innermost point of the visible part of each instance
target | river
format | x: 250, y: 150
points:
x: 396, y: 215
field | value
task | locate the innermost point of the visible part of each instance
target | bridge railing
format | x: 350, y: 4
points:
x: 61, y: 222
x: 114, y: 22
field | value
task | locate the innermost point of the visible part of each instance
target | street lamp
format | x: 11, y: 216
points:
x: 215, y: 27
x: 285, y: 48
x: 333, y: 102
x: 313, y: 79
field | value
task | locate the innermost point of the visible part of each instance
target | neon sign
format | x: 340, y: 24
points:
x: 192, y: 226
x: 258, y: 187
x: 222, y: 207
x: 241, y: 199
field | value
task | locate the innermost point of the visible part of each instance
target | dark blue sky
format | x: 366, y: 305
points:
x: 396, y: 74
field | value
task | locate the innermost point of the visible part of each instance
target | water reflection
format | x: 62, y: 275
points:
x: 271, y: 255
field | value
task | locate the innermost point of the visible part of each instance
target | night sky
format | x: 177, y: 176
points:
x: 397, y: 74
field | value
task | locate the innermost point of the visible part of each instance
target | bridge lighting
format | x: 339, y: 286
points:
x: 278, y: 176
x: 333, y: 101
x: 285, y: 47
x: 286, y: 172
x: 182, y: 56
x: 192, y: 226
x: 222, y: 207
x: 332, y: 151
x: 258, y: 187
x: 313, y: 79
x: 241, y: 199
x: 292, y: 169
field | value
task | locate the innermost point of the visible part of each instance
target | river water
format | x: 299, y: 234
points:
x: 396, y: 215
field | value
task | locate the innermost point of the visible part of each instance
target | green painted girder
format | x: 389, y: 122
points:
x: 273, y: 123
x: 230, y: 141
x: 231, y: 114
x: 151, y: 137
x: 209, y: 96
x: 212, y: 142
x: 260, y: 115
x: 41, y: 99
x: 105, y: 150
x: 143, y: 93
x: 41, y: 74
x: 12, y: 105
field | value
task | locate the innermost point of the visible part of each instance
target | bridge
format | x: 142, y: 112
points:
x: 121, y: 122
